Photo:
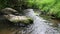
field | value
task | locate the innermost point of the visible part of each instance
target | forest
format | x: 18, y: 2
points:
x: 29, y: 16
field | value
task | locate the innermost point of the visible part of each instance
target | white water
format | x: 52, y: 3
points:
x: 39, y: 26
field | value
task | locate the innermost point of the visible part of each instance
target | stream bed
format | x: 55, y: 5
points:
x: 40, y: 26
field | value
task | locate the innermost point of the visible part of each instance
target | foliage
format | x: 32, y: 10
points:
x: 16, y: 4
x: 50, y: 7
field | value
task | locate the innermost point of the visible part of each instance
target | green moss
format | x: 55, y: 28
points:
x: 27, y: 21
x: 24, y: 19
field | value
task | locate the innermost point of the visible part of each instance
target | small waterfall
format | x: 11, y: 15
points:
x: 39, y: 26
x: 29, y: 13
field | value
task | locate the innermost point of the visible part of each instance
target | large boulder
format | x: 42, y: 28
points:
x: 19, y: 19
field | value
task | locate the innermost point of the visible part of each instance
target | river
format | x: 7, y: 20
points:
x: 39, y: 26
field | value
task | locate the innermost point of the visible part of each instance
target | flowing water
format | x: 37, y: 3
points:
x: 39, y: 26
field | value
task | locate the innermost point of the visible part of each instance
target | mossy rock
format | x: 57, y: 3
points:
x: 20, y: 19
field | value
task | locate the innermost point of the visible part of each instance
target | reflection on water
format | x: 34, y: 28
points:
x: 15, y: 30
x: 40, y: 26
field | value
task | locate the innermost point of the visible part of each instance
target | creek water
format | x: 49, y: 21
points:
x: 39, y: 26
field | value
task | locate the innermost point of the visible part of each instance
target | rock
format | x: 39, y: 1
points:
x: 19, y: 19
x: 14, y: 17
x: 7, y: 11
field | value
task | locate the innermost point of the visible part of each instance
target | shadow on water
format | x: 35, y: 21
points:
x: 8, y: 29
x: 40, y: 26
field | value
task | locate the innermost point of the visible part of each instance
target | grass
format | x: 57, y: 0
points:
x: 50, y: 7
